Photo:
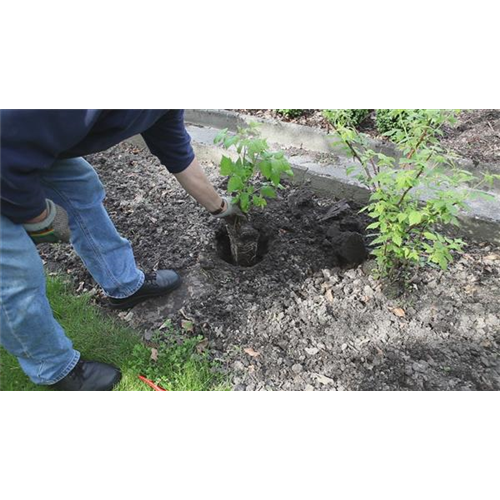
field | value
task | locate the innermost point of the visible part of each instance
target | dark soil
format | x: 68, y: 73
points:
x: 475, y: 136
x: 306, y: 316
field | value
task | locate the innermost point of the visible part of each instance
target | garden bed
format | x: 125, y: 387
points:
x: 475, y: 136
x: 303, y: 318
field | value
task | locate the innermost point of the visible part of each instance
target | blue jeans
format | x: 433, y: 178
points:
x: 28, y: 329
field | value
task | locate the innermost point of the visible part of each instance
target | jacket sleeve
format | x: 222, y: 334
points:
x: 31, y: 141
x: 169, y: 140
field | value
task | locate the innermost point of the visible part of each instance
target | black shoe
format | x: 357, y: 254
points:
x: 90, y: 376
x: 155, y: 285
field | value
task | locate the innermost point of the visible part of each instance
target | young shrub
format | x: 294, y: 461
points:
x: 254, y: 176
x: 346, y: 117
x: 256, y: 173
x: 413, y: 198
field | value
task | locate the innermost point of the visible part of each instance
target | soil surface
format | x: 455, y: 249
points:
x: 475, y: 136
x: 306, y: 317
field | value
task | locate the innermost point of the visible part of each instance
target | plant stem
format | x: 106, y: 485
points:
x: 356, y: 155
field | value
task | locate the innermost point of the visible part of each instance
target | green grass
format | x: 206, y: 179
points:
x: 179, y: 366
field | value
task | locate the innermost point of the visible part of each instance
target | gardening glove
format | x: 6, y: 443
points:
x: 232, y: 210
x: 53, y: 229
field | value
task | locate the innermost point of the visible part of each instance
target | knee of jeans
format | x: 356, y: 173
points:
x: 22, y: 277
x: 94, y: 190
x: 21, y: 267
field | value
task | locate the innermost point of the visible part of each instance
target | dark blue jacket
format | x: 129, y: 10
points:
x: 32, y: 140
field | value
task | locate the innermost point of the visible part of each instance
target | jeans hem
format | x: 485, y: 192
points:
x: 66, y: 371
x: 129, y: 294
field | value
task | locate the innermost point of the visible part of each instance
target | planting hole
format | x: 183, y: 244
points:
x: 224, y: 246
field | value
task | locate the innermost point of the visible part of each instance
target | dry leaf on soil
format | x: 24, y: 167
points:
x: 154, y: 354
x: 251, y: 352
x: 399, y: 312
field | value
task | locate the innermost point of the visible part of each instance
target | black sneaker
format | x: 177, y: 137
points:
x: 155, y: 285
x: 90, y: 376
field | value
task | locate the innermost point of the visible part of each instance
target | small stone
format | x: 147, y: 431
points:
x: 420, y: 367
x: 492, y: 320
x: 309, y: 387
x: 238, y: 366
x: 297, y: 368
x: 322, y: 379
x: 312, y: 351
x: 485, y: 362
x: 369, y: 266
x: 326, y: 273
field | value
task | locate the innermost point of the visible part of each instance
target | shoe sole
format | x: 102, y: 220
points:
x: 137, y: 300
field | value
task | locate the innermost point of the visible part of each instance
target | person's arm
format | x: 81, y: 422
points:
x: 169, y: 141
x: 196, y: 183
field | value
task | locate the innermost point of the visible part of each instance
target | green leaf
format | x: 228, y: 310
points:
x: 415, y: 218
x: 397, y: 240
x: 228, y: 142
x: 245, y: 202
x: 266, y: 168
x: 275, y: 178
x: 268, y: 192
x: 258, y: 201
x: 235, y: 184
x: 226, y: 166
x: 220, y: 136
x: 430, y: 236
x: 257, y: 146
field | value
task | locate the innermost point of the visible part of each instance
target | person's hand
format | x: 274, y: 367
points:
x: 51, y: 228
x: 231, y: 210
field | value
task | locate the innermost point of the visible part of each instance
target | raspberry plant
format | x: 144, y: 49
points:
x: 250, y: 189
x: 254, y: 177
x: 412, y: 197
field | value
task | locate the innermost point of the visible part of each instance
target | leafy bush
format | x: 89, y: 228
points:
x: 290, y: 113
x: 254, y: 157
x: 388, y: 121
x: 346, y: 117
x: 413, y: 198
